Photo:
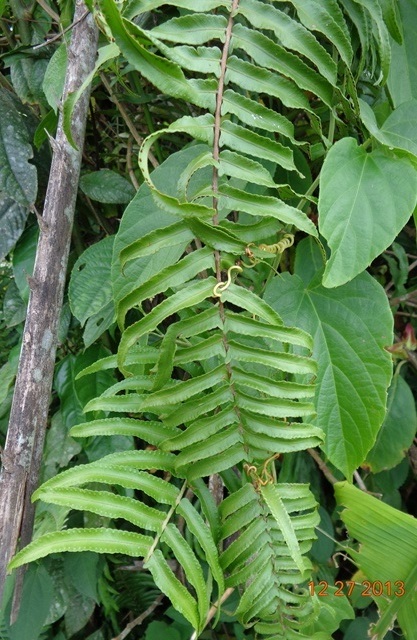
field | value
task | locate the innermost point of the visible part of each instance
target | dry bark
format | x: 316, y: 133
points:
x: 22, y: 455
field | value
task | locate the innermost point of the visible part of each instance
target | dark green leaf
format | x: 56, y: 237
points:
x: 107, y: 186
x: 17, y: 176
x: 53, y: 82
x: 81, y: 570
x: 398, y: 429
x: 24, y: 260
x: 27, y: 76
x: 90, y: 288
x: 12, y: 222
x: 36, y: 599
x: 14, y: 308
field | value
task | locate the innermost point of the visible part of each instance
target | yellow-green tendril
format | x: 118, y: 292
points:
x: 222, y: 286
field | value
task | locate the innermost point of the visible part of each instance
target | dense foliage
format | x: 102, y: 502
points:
x: 225, y: 351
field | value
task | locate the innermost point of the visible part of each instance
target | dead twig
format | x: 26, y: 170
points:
x: 137, y: 621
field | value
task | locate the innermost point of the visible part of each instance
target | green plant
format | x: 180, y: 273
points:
x: 215, y: 382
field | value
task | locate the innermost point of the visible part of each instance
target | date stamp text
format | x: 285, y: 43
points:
x: 368, y: 588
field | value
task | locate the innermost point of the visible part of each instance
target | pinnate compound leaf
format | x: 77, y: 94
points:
x: 153, y: 241
x: 354, y: 370
x: 18, y: 177
x: 270, y: 494
x: 291, y: 34
x: 269, y: 206
x: 398, y: 429
x: 365, y: 200
x: 268, y: 54
x: 327, y: 18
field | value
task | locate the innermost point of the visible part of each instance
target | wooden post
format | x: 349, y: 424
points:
x: 22, y: 455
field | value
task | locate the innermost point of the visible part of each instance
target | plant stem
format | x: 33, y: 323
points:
x: 28, y: 417
x: 137, y: 621
x: 322, y: 466
x: 214, y: 608
x: 154, y: 162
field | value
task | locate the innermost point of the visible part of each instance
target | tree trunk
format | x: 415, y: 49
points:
x: 28, y: 418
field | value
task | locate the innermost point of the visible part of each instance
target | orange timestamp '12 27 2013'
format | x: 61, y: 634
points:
x: 370, y: 589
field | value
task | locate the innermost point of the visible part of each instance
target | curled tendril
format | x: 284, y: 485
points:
x: 222, y: 286
x: 286, y: 242
x: 276, y: 249
x: 261, y: 476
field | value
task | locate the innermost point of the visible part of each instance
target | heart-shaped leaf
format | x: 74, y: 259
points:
x: 354, y: 370
x: 365, y: 200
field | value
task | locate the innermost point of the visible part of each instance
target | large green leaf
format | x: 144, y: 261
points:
x: 90, y: 288
x: 365, y: 200
x: 398, y: 430
x: 402, y: 80
x: 18, y: 177
x: 354, y: 370
x: 59, y: 446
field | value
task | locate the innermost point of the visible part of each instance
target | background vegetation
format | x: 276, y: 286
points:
x: 314, y: 187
